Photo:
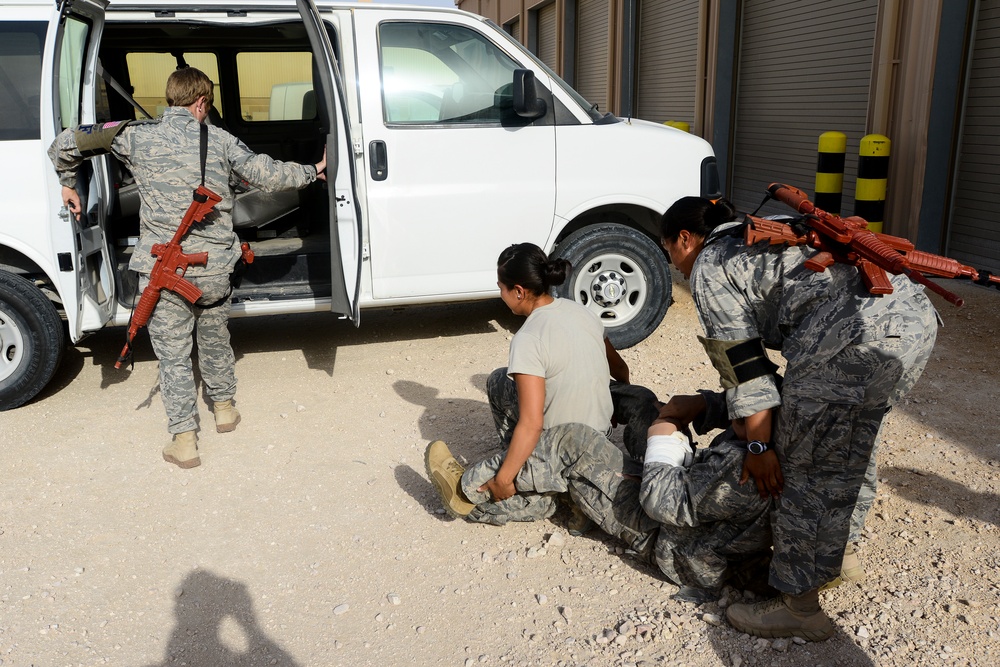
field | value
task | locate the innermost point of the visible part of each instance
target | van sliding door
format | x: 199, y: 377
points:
x: 345, y: 210
x: 86, y: 283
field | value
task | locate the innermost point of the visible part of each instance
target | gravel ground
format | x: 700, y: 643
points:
x: 311, y: 536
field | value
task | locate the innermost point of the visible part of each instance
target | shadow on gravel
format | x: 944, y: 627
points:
x: 318, y: 335
x: 452, y: 419
x: 422, y: 491
x: 837, y: 650
x: 953, y: 497
x: 216, y: 625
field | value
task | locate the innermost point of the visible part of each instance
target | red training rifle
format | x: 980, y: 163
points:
x: 170, y: 267
x: 849, y: 241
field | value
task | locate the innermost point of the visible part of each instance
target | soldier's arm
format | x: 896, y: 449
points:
x: 265, y: 172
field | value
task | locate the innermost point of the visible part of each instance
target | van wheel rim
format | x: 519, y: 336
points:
x: 11, y: 346
x: 613, y: 286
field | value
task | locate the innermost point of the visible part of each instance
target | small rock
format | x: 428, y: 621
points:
x: 393, y: 598
x: 341, y: 609
x: 780, y: 645
x: 300, y: 408
x: 556, y: 540
x: 541, y: 599
x: 712, y: 619
x: 863, y: 632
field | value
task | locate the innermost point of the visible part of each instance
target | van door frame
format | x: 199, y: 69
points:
x: 345, y: 207
x: 88, y: 295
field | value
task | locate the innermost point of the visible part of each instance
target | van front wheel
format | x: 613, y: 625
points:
x: 621, y: 275
x: 31, y: 340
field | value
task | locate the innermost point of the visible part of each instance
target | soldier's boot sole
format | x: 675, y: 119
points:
x: 772, y: 619
x: 445, y: 473
x: 226, y: 417
x: 579, y: 523
x: 183, y: 450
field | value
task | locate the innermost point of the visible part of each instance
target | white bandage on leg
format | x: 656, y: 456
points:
x: 673, y: 449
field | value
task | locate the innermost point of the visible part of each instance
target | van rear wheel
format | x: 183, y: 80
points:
x: 31, y: 340
x: 621, y: 275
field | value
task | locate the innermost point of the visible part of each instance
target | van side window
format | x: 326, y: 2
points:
x: 437, y: 73
x: 21, y: 45
x: 148, y: 72
x: 276, y: 86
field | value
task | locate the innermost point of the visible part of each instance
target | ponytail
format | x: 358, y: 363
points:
x: 525, y: 264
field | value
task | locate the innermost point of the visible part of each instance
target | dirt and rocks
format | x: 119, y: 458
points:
x: 311, y: 536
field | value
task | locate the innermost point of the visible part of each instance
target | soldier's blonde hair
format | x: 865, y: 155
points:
x: 185, y: 86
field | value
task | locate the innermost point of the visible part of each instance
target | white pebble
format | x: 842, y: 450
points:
x: 394, y: 598
x: 341, y: 609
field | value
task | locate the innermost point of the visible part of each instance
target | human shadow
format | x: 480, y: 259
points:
x: 931, y: 489
x: 463, y: 421
x: 201, y: 637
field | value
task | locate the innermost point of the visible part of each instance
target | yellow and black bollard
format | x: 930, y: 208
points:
x: 830, y: 171
x: 679, y: 124
x: 873, y: 172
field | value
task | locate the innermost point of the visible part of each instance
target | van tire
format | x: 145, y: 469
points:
x: 609, y: 257
x: 31, y: 340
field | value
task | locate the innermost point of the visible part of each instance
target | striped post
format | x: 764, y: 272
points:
x: 830, y: 171
x: 873, y: 171
x: 679, y: 124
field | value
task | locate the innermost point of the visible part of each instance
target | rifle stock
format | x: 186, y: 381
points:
x: 169, y: 260
x: 849, y: 241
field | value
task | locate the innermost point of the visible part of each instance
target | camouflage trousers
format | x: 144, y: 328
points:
x: 174, y: 325
x: 573, y: 459
x: 635, y: 407
x: 696, y: 524
x: 827, y: 452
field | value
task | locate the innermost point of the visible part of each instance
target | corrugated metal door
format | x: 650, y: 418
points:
x: 800, y: 74
x: 592, y: 51
x: 514, y: 29
x: 668, y: 54
x: 974, y: 232
x: 547, y: 35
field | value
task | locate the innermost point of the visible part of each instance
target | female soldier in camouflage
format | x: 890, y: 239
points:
x: 850, y: 355
x: 163, y: 155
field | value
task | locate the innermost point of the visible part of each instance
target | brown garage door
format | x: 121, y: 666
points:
x: 668, y: 55
x: 974, y: 232
x: 592, y: 51
x: 801, y: 73
x: 547, y: 35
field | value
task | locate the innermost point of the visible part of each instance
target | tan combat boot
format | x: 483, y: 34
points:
x: 851, y: 569
x: 783, y: 616
x: 226, y: 416
x: 579, y: 523
x: 445, y: 472
x: 183, y: 450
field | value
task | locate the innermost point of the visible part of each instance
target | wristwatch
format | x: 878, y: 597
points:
x: 757, y: 447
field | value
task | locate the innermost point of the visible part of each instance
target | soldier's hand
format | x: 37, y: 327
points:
x: 321, y: 167
x: 498, y: 490
x: 683, y: 408
x: 71, y: 200
x: 766, y: 473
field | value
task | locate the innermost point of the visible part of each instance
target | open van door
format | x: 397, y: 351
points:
x: 86, y: 280
x: 345, y: 209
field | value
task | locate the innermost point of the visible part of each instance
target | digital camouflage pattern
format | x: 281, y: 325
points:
x: 850, y: 356
x: 170, y: 330
x: 697, y: 524
x: 164, y: 159
x: 163, y: 156
x: 635, y: 407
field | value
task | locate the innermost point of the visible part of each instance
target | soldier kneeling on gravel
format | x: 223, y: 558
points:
x: 684, y: 510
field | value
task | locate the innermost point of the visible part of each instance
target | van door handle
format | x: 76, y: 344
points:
x: 379, y: 160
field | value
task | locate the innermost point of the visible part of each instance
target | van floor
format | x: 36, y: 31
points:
x: 283, y: 268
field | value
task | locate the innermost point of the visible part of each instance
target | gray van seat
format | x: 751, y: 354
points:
x: 253, y: 208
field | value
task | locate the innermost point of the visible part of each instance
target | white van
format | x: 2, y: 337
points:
x: 448, y: 141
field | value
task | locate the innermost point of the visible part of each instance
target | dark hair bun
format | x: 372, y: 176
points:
x: 720, y: 213
x: 556, y: 271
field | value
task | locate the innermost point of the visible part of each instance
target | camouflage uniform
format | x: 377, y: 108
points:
x: 163, y: 156
x: 696, y: 523
x: 850, y: 356
x: 634, y: 406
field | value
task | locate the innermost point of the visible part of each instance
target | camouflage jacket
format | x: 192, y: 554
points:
x: 163, y: 156
x: 765, y: 292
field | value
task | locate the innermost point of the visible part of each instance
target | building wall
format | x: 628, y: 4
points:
x: 769, y: 78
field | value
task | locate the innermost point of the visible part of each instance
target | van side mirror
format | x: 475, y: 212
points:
x: 527, y: 104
